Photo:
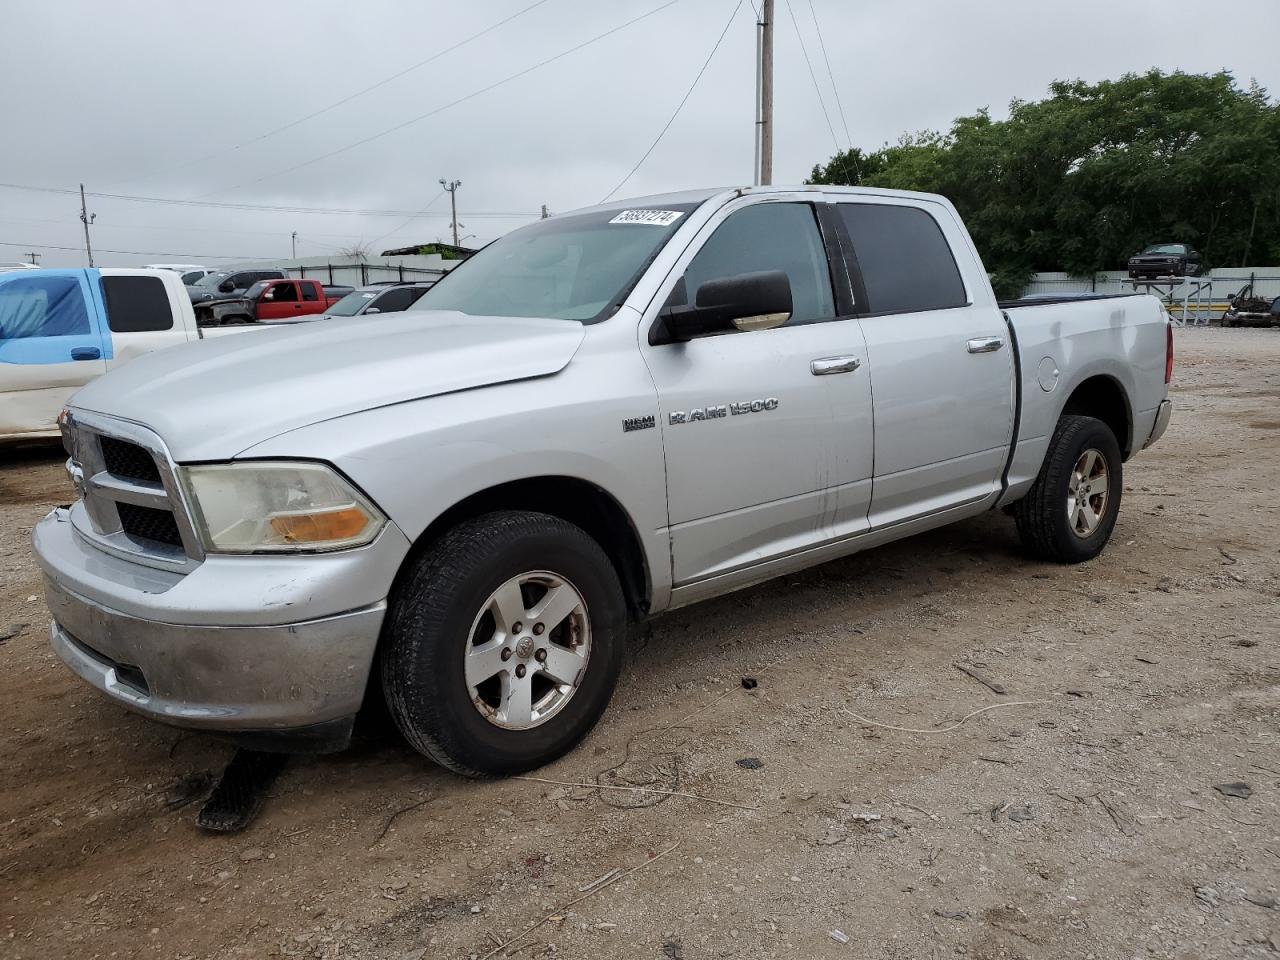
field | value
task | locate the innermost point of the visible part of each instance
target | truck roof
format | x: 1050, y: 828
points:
x: 707, y: 193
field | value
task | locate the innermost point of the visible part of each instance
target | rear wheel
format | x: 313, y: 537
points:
x: 1071, y: 509
x: 504, y: 644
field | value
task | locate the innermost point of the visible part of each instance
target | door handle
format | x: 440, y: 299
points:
x: 85, y: 353
x: 985, y: 345
x: 829, y: 365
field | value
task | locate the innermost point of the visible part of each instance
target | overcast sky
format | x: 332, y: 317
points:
x: 172, y: 100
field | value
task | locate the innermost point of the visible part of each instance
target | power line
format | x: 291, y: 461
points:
x: 813, y: 76
x: 140, y: 253
x: 180, y: 229
x: 274, y: 208
x: 454, y: 103
x: 359, y: 93
x: 680, y: 106
x: 835, y: 89
x: 375, y: 243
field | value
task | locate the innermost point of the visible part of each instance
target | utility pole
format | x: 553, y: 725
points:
x: 452, y: 186
x: 86, y: 218
x: 765, y: 43
x: 35, y: 257
x: 294, y: 238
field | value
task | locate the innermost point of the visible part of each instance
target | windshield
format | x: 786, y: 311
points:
x: 569, y: 268
x: 212, y: 279
x: 351, y: 304
x: 1166, y: 248
x: 255, y: 292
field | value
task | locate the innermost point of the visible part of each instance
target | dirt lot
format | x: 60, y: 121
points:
x: 1085, y: 824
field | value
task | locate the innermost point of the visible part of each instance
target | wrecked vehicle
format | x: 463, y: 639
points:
x: 272, y: 300
x: 1249, y: 310
x: 598, y: 417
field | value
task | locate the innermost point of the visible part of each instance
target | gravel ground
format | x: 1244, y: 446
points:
x: 1085, y: 823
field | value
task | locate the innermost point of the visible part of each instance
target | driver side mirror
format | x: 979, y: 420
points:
x: 373, y: 310
x: 746, y: 302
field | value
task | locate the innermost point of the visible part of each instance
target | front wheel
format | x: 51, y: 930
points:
x: 1071, y: 509
x: 504, y: 643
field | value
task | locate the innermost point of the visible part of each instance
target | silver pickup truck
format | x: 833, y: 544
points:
x: 599, y: 417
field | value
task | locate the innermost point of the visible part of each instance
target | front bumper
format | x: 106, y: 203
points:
x: 1157, y: 270
x: 292, y: 684
x: 1163, y: 412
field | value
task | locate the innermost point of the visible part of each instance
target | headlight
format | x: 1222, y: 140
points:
x: 278, y: 508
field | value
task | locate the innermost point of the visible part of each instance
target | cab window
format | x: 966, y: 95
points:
x: 136, y: 304
x: 393, y: 301
x: 42, y: 307
x: 904, y: 258
x: 770, y: 236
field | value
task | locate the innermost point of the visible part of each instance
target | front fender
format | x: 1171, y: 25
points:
x: 417, y: 460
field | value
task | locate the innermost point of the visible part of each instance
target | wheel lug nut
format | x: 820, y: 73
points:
x: 506, y: 653
x: 517, y: 627
x: 541, y: 656
x: 521, y: 671
x: 538, y: 628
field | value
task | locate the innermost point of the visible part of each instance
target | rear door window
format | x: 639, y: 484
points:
x: 309, y: 291
x: 905, y: 260
x: 136, y: 304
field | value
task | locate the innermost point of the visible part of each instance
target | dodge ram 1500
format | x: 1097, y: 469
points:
x: 599, y: 417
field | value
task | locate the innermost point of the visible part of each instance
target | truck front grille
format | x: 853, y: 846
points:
x: 133, y: 504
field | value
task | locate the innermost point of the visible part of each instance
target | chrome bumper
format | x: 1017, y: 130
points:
x: 1162, y: 423
x: 252, y: 678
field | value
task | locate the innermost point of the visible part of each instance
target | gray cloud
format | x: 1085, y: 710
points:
x: 129, y: 98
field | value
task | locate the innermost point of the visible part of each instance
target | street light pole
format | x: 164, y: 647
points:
x: 86, y: 218
x: 294, y: 240
x: 452, y: 186
x: 766, y: 92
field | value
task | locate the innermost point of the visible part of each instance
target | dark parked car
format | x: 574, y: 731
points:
x: 380, y: 298
x: 228, y: 284
x: 1165, y: 260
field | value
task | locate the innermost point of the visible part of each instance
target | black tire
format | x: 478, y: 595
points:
x: 429, y: 628
x: 1044, y: 524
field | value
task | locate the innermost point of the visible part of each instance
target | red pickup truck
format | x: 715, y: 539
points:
x: 272, y: 300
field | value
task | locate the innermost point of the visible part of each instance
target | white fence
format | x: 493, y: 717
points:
x: 357, y: 272
x: 1204, y: 298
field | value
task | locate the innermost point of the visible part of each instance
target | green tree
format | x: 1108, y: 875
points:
x: 1094, y: 172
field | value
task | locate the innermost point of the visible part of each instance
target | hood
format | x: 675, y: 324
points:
x: 212, y: 399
